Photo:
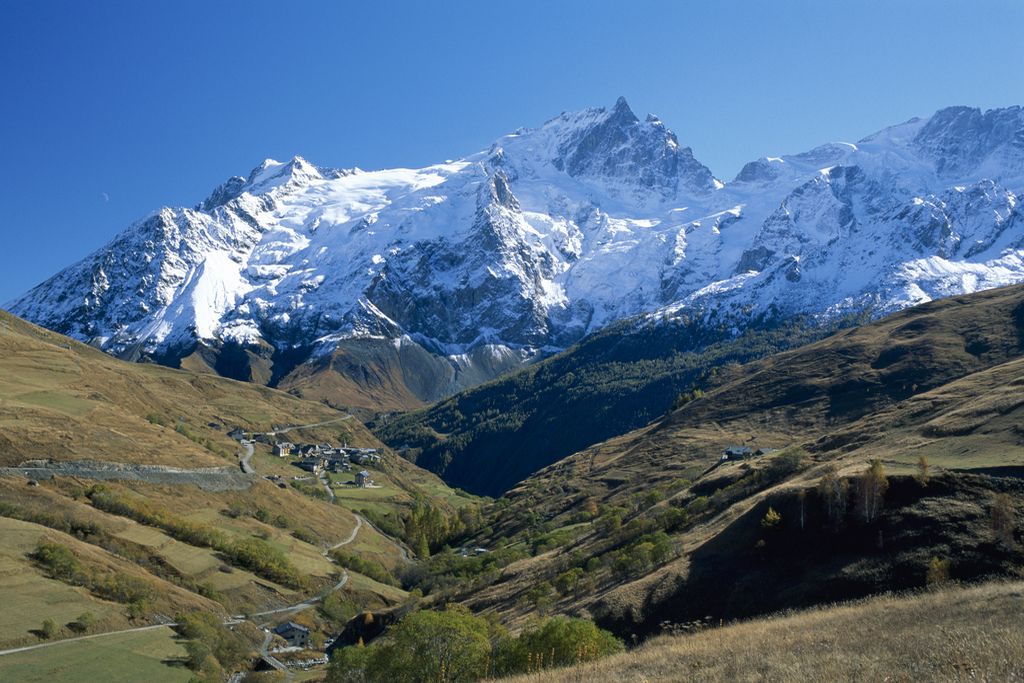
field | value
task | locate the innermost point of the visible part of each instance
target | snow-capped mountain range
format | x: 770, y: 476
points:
x: 550, y: 234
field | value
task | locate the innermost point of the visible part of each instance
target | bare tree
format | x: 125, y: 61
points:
x: 834, y: 492
x: 871, y: 487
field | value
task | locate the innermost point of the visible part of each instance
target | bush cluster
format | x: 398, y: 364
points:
x: 62, y: 564
x: 253, y: 554
x: 211, y: 647
x: 452, y: 646
x: 365, y: 566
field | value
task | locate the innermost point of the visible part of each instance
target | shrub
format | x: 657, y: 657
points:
x: 938, y: 572
x: 211, y: 647
x: 366, y: 567
x: 540, y: 596
x: 697, y: 505
x: 84, y: 623
x: 48, y: 630
x: 337, y: 608
x: 349, y: 665
x: 264, y: 559
x: 687, y: 397
x: 447, y: 647
x: 567, y: 581
x: 559, y: 641
x: 62, y: 564
x: 253, y: 554
x: 771, y: 519
x: 306, y: 536
x: 673, y: 519
x: 608, y: 523
x: 785, y: 463
x: 453, y: 646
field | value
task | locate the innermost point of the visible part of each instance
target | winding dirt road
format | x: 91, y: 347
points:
x: 244, y: 461
x: 247, y: 468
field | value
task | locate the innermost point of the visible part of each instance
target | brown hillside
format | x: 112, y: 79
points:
x: 943, y: 381
x: 64, y: 400
x: 250, y: 545
x: 864, y: 369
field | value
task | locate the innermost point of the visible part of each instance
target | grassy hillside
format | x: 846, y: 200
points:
x: 648, y: 526
x: 370, y: 376
x: 64, y: 400
x: 30, y: 596
x: 489, y: 438
x: 129, y: 553
x: 948, y: 635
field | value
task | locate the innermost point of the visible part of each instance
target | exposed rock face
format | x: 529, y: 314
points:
x: 550, y: 234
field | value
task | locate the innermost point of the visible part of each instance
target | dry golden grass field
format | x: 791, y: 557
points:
x: 955, y: 634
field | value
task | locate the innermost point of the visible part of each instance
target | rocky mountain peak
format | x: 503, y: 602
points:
x: 265, y: 177
x: 961, y: 139
x: 614, y: 144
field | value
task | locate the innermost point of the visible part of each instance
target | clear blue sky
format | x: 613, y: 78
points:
x: 112, y: 109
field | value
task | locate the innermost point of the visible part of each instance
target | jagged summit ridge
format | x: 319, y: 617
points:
x: 554, y: 232
x: 631, y: 156
x: 962, y: 139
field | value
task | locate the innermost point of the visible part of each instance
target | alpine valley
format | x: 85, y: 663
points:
x: 387, y: 290
x: 765, y: 429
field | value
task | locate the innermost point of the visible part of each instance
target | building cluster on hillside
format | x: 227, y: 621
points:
x: 324, y: 457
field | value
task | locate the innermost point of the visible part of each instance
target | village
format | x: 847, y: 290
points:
x: 317, y: 459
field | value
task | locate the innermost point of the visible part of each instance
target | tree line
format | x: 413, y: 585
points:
x: 454, y: 646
